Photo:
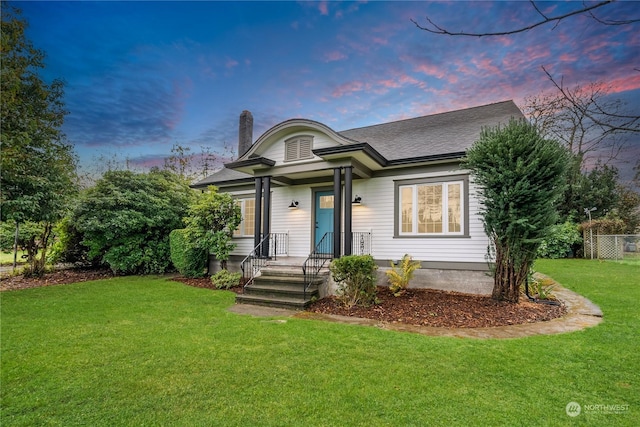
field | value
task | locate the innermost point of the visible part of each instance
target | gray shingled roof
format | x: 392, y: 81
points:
x: 436, y: 134
x: 223, y: 175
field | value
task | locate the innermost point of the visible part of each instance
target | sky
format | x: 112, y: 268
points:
x: 143, y: 76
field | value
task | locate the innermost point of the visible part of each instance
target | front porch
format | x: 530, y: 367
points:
x: 280, y: 280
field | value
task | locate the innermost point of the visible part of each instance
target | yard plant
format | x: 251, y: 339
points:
x: 149, y: 351
x: 520, y: 176
x: 401, y: 274
x: 356, y: 279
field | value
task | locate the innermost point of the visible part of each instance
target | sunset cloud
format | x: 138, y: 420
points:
x: 185, y: 70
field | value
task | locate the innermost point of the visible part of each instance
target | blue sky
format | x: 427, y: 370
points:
x: 142, y: 76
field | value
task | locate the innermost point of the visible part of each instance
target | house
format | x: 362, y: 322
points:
x: 384, y: 190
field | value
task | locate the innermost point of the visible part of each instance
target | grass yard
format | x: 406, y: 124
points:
x: 148, y: 351
x: 6, y: 258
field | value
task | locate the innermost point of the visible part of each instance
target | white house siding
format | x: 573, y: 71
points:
x: 377, y: 215
x: 452, y: 263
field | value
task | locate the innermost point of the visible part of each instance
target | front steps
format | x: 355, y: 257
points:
x: 281, y: 286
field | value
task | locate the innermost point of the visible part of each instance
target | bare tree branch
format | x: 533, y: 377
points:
x: 609, y: 121
x: 436, y: 29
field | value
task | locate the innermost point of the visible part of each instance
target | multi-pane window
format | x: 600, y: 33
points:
x: 247, y: 225
x: 431, y: 208
x: 298, y: 148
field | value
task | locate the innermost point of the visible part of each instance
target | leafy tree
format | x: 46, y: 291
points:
x: 628, y: 208
x: 126, y: 219
x: 595, y: 188
x: 210, y: 223
x: 38, y: 165
x: 520, y: 177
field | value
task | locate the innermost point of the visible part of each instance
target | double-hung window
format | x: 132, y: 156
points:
x: 247, y: 225
x: 431, y: 208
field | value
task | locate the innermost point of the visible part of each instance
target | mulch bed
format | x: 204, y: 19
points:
x: 60, y: 277
x: 423, y: 307
x: 428, y: 307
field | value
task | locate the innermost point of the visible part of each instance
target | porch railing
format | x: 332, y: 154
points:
x: 273, y: 244
x: 323, y: 252
x: 360, y: 242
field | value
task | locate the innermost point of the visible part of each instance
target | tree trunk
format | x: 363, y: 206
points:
x: 15, y: 247
x: 507, y: 278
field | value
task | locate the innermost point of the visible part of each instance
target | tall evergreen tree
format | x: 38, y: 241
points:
x: 520, y: 177
x: 38, y: 165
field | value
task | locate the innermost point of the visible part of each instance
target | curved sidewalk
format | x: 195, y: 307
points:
x: 581, y: 314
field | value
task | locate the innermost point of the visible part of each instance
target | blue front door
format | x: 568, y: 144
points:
x: 323, y: 214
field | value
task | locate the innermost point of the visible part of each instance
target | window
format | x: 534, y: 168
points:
x: 247, y: 225
x: 326, y: 202
x: 298, y: 148
x: 430, y: 208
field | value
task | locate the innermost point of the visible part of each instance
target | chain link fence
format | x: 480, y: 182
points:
x: 613, y: 246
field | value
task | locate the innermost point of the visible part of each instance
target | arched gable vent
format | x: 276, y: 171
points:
x: 298, y: 148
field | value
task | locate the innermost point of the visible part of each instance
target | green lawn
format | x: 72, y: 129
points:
x: 7, y: 258
x: 148, y: 351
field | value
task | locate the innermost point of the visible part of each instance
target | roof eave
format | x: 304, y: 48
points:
x: 351, y: 148
x: 459, y: 155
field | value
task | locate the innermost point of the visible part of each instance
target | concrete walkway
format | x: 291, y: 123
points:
x: 581, y: 314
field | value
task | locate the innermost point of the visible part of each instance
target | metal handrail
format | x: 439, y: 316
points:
x: 316, y: 260
x: 275, y: 243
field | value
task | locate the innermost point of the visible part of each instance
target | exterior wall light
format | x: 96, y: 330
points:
x: 294, y: 204
x: 357, y: 200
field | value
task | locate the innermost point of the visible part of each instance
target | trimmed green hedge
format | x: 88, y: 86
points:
x: 189, y: 261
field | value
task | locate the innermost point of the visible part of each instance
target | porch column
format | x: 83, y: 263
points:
x: 337, y: 198
x: 266, y: 228
x: 348, y: 207
x: 257, y: 220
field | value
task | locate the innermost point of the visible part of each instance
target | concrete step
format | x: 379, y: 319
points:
x: 293, y: 281
x: 276, y: 291
x: 280, y: 302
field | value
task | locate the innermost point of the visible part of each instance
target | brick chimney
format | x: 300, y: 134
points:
x: 245, y: 132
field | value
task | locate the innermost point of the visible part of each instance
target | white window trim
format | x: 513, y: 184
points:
x: 445, y: 209
x: 242, y: 224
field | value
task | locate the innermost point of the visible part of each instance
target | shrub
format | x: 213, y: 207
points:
x: 399, y: 278
x: 210, y: 223
x: 224, y: 279
x: 126, y: 218
x: 188, y: 260
x: 559, y: 241
x: 356, y: 279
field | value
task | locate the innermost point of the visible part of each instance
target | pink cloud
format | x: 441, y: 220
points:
x: 230, y: 63
x: 380, y: 40
x: 430, y: 70
x: 568, y: 57
x: 349, y: 87
x: 625, y: 83
x: 323, y: 7
x: 334, y: 56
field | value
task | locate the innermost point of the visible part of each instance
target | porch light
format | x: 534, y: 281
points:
x: 357, y: 200
x: 294, y: 204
